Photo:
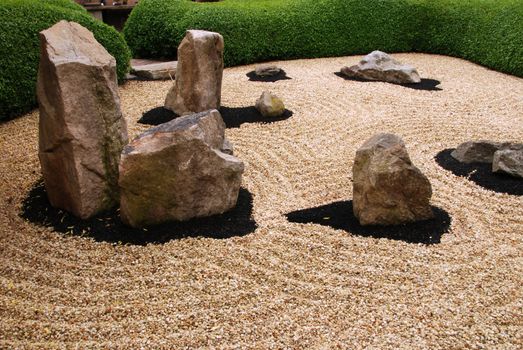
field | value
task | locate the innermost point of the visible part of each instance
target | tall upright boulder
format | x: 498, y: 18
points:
x: 179, y: 170
x: 81, y: 129
x: 388, y: 188
x: 198, y: 82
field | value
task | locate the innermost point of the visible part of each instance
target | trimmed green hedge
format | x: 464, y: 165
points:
x: 489, y: 32
x: 20, y: 23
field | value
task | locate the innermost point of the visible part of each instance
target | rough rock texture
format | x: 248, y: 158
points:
x: 481, y: 151
x: 198, y: 84
x: 270, y: 105
x: 177, y: 171
x: 156, y: 71
x: 388, y: 188
x: 267, y: 70
x: 82, y: 131
x: 509, y: 161
x: 380, y: 66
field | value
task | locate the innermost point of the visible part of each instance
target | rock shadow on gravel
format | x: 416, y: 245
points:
x: 481, y: 174
x: 339, y: 215
x: 232, y: 116
x: 269, y: 79
x: 108, y: 227
x: 425, y: 84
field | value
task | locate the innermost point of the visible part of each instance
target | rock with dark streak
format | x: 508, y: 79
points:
x: 81, y: 129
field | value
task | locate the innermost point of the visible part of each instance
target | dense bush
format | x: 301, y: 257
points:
x: 489, y: 32
x: 20, y: 23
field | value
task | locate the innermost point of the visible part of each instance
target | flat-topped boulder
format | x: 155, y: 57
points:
x: 509, y: 161
x: 156, y: 71
x: 388, y: 188
x: 380, y: 66
x: 198, y: 82
x: 81, y: 128
x: 179, y: 170
x: 481, y: 151
x: 267, y: 70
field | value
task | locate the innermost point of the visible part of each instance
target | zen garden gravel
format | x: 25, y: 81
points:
x: 284, y: 284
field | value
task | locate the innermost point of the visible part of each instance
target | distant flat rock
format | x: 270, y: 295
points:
x: 155, y: 71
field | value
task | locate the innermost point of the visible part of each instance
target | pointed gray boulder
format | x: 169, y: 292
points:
x: 81, y: 129
x: 382, y: 67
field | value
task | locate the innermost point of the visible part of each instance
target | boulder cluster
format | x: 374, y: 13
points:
x: 505, y: 157
x: 177, y: 171
x: 185, y: 168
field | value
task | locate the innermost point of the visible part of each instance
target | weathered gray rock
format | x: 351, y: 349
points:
x: 508, y: 161
x: 177, y: 171
x: 267, y: 70
x: 82, y: 131
x: 479, y: 151
x: 198, y: 84
x: 382, y: 67
x: 270, y: 105
x: 388, y: 188
x: 156, y: 71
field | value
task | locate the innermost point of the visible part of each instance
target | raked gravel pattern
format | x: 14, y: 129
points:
x: 287, y: 286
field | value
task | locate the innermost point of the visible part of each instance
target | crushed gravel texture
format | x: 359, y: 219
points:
x: 286, y: 285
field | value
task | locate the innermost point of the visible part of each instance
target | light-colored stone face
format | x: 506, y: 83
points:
x: 380, y: 66
x: 267, y: 70
x: 178, y: 171
x: 388, y: 188
x: 509, y: 161
x: 198, y: 83
x: 270, y: 105
x: 81, y: 128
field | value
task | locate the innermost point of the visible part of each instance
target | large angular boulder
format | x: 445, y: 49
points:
x: 178, y: 171
x: 388, y: 188
x: 82, y: 131
x: 270, y: 105
x: 481, y: 151
x: 509, y: 161
x: 198, y: 84
x: 382, y: 67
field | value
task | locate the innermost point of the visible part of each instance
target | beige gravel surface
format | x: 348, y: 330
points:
x: 287, y: 285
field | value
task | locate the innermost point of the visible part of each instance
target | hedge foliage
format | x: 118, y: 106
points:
x: 20, y: 23
x: 489, y: 32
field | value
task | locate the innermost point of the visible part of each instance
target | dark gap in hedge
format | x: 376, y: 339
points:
x: 232, y: 116
x: 107, y: 227
x: 481, y: 174
x: 270, y: 79
x: 425, y: 84
x: 339, y: 215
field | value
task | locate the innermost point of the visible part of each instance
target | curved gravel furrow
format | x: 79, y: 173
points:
x: 287, y: 285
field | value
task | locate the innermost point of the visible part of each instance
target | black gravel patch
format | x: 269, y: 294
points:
x: 339, y: 215
x: 232, y: 116
x: 236, y: 116
x: 157, y: 116
x: 269, y: 79
x: 425, y: 84
x: 108, y: 227
x: 481, y: 174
